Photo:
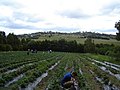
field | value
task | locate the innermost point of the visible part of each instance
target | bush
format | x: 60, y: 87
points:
x: 5, y: 47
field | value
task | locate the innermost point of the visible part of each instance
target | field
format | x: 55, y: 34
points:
x: 78, y: 38
x: 44, y: 71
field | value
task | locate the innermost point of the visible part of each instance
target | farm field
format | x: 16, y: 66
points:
x: 44, y: 71
x: 77, y: 38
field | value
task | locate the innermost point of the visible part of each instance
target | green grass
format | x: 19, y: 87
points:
x: 103, y: 58
x: 67, y: 62
x: 77, y: 38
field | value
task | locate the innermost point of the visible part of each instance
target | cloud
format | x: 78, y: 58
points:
x: 19, y: 20
x: 106, y: 31
x: 76, y: 14
x: 111, y: 8
x: 65, y: 29
x: 10, y: 3
x: 27, y: 17
x: 59, y: 15
x: 13, y: 25
x: 10, y: 23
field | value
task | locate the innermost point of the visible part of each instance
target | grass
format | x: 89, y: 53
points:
x: 77, y: 38
x: 86, y: 80
x: 103, y: 58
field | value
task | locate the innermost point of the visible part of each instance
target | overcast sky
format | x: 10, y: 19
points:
x: 28, y: 16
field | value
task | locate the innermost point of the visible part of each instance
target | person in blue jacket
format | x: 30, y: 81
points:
x: 68, y: 80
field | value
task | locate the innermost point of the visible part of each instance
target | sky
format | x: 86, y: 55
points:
x: 29, y: 16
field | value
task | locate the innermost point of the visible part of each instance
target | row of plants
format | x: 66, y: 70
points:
x: 12, y: 57
x: 68, y: 63
x: 83, y: 85
x: 53, y: 81
x: 31, y: 75
x: 8, y: 77
x: 105, y: 77
x: 91, y: 83
x: 35, y: 60
x: 88, y: 74
x: 21, y: 57
x: 108, y: 67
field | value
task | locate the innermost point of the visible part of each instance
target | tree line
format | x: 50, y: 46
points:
x: 12, y: 43
x: 117, y: 26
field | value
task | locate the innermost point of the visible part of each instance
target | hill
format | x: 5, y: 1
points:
x: 81, y: 34
x: 78, y: 36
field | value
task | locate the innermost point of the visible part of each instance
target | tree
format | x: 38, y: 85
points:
x: 89, y: 46
x: 117, y: 26
x: 13, y: 41
x: 115, y: 53
x: 104, y: 49
x: 24, y: 43
x: 2, y: 37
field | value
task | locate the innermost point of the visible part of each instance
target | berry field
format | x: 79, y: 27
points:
x: 44, y: 71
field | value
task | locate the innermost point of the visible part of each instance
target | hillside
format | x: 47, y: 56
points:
x: 80, y: 37
x: 80, y: 34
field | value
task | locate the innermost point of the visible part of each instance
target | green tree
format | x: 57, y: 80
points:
x: 32, y: 45
x: 2, y: 37
x: 117, y: 26
x: 89, y: 46
x: 115, y: 53
x: 13, y: 41
x: 23, y: 44
x: 5, y: 47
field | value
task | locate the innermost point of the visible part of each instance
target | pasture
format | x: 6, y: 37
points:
x: 78, y: 38
x: 44, y: 71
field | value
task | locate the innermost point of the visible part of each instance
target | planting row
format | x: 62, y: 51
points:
x: 13, y: 58
x: 7, y: 79
x: 17, y: 66
x: 108, y: 80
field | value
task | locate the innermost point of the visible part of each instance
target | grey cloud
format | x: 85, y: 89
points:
x: 7, y: 22
x: 10, y: 3
x: 110, y: 8
x: 77, y: 14
x: 26, y: 17
x: 48, y: 23
x: 19, y: 26
x: 65, y: 29
x: 10, y: 24
x: 105, y: 30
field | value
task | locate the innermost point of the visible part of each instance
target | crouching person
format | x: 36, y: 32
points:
x: 68, y: 80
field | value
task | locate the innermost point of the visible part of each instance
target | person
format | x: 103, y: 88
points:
x: 28, y: 52
x: 68, y: 80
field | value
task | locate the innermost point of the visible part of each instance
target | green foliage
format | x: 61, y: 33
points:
x: 104, y: 49
x: 117, y: 26
x: 89, y: 46
x: 9, y: 42
x: 2, y: 37
x: 5, y: 47
x: 13, y: 41
x: 36, y: 64
x: 115, y: 53
x: 60, y: 45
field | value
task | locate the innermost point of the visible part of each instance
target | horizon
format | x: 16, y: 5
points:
x: 30, y: 16
x: 57, y: 32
